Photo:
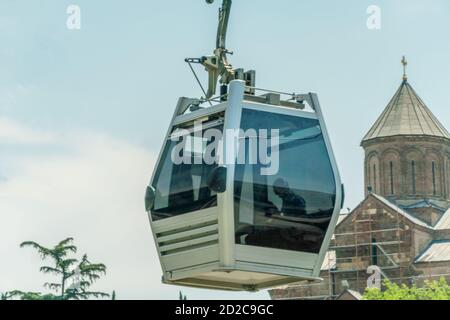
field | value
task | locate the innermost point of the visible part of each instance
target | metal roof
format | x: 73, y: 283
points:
x: 355, y: 294
x: 342, y: 216
x: 426, y: 203
x: 406, y: 114
x: 444, y: 222
x: 437, y: 251
x: 329, y: 262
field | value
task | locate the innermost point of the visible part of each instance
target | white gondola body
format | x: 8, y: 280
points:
x: 238, y: 239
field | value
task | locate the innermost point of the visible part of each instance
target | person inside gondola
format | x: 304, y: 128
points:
x: 283, y: 233
x: 292, y: 204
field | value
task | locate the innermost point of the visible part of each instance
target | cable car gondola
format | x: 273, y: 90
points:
x: 246, y: 192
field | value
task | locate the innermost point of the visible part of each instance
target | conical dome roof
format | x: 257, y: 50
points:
x: 406, y: 114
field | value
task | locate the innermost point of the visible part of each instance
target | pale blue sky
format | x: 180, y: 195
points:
x: 100, y: 98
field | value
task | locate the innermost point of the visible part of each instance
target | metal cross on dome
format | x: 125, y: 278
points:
x: 405, y: 64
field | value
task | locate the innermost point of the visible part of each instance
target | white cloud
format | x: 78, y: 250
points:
x: 94, y: 192
x: 12, y: 132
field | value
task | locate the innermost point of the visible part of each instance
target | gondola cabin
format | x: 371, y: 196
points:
x: 246, y: 192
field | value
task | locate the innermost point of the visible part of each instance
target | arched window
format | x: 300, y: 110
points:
x: 433, y: 173
x: 413, y: 176
x: 447, y: 178
x: 374, y: 253
x: 391, y: 176
x: 374, y: 178
x: 373, y: 173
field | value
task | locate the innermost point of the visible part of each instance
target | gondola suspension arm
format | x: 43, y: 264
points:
x: 217, y: 65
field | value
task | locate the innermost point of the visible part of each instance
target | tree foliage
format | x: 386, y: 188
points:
x: 6, y: 295
x: 80, y: 273
x: 432, y: 290
x: 181, y: 296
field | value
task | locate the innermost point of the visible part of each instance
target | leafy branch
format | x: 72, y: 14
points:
x: 82, y: 274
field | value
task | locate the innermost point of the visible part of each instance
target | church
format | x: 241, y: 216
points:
x: 402, y: 226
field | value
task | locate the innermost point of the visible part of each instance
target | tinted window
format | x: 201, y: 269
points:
x: 292, y: 208
x: 182, y: 188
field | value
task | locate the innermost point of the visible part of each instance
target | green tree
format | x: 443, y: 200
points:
x: 432, y: 290
x: 181, y: 296
x: 6, y: 296
x: 81, y: 273
x: 31, y: 295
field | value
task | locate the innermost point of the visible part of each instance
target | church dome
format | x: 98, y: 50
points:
x: 406, y: 114
x: 407, y: 152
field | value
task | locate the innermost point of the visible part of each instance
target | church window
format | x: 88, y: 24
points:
x: 374, y: 178
x: 374, y: 253
x: 391, y: 176
x: 413, y: 176
x: 433, y: 172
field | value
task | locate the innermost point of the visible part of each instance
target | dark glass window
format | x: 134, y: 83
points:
x: 413, y: 176
x: 292, y: 208
x: 182, y: 188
